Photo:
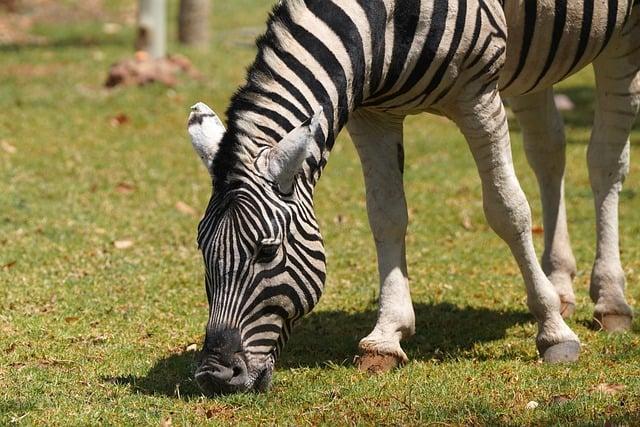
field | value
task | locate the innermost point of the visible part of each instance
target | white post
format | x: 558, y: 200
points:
x: 152, y: 27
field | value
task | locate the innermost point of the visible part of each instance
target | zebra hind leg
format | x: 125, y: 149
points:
x: 617, y: 103
x: 482, y: 119
x: 544, y: 143
x: 378, y: 140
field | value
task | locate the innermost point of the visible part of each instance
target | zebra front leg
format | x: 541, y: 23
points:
x: 618, y: 99
x: 483, y: 121
x: 378, y: 140
x: 544, y: 143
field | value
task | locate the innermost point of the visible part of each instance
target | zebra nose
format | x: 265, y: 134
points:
x: 215, y: 378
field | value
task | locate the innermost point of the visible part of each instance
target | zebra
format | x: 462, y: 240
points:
x: 324, y: 65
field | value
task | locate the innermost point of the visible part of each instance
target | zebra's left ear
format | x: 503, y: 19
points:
x: 286, y: 158
x: 206, y: 131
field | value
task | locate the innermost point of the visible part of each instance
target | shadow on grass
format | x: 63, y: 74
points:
x: 332, y: 337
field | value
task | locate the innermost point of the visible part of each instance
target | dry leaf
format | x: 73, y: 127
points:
x: 119, y: 120
x: 8, y: 148
x: 167, y: 422
x: 185, y: 208
x: 71, y: 319
x: 9, y: 265
x: 532, y: 405
x: 123, y: 244
x: 536, y: 229
x: 610, y: 389
x: 125, y: 188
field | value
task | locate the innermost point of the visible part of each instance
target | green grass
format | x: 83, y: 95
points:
x: 91, y: 334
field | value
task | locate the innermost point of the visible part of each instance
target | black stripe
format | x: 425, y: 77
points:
x: 530, y: 15
x: 455, y: 43
x: 284, y: 103
x: 406, y: 16
x: 346, y: 30
x: 612, y: 17
x: 559, y: 22
x: 377, y: 16
x: 587, y: 18
x: 429, y: 50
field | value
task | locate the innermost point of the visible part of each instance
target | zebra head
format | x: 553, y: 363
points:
x: 262, y: 249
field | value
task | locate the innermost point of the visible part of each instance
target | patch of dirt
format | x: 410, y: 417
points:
x: 143, y: 69
x: 375, y: 363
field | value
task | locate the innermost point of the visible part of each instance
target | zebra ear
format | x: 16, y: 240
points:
x: 286, y: 158
x: 206, y: 131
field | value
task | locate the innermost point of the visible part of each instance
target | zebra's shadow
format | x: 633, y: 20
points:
x: 331, y: 337
x: 442, y: 330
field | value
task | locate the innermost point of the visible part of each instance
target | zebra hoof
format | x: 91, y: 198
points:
x: 563, y: 352
x: 375, y: 363
x: 614, y: 323
x: 567, y: 309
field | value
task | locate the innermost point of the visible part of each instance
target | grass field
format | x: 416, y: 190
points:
x: 93, y: 333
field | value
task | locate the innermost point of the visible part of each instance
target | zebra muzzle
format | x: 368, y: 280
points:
x: 215, y: 379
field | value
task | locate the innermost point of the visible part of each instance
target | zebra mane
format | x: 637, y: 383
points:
x: 231, y: 146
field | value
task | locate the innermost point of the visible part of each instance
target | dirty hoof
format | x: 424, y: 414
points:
x: 615, y: 323
x: 375, y: 363
x: 563, y: 352
x: 567, y: 309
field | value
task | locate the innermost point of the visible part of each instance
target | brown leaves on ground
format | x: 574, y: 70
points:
x: 7, y: 148
x: 143, y: 69
x: 123, y: 244
x: 125, y: 188
x: 184, y: 208
x: 216, y: 411
x: 8, y: 265
x: 119, y: 120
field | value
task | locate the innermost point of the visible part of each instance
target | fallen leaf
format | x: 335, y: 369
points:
x: 125, y: 188
x: 8, y: 148
x: 9, y: 265
x: 123, y: 244
x: 610, y: 389
x: 167, y: 422
x: 184, y: 208
x: 532, y: 405
x: 536, y: 229
x: 71, y: 319
x: 192, y: 347
x: 119, y: 120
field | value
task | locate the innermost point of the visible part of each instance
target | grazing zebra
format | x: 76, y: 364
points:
x: 326, y: 64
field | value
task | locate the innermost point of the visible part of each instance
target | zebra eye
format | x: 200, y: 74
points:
x: 267, y: 250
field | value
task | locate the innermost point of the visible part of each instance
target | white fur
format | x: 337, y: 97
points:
x: 205, y: 136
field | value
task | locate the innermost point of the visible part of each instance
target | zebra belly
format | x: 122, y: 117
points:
x: 548, y: 40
